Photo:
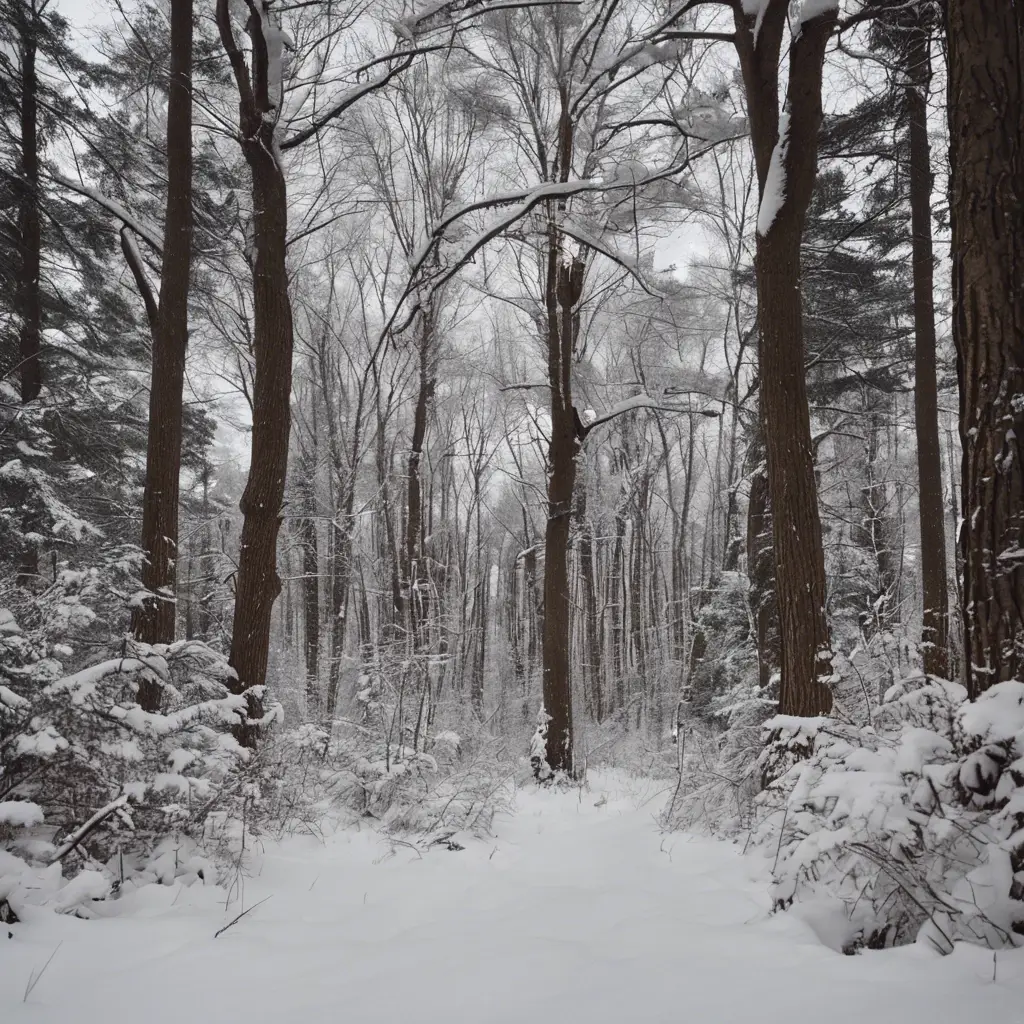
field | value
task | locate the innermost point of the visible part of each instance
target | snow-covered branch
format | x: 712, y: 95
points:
x: 642, y: 402
x: 144, y: 229
x: 135, y: 264
x: 522, y: 201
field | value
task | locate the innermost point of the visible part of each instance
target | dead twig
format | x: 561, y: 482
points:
x: 35, y: 977
x: 235, y: 920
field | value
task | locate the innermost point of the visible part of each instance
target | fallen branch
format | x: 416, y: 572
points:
x: 235, y: 920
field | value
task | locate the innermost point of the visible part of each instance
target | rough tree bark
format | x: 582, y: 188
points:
x: 986, y: 120
x: 785, y: 154
x: 935, y: 624
x: 153, y: 620
x: 761, y: 573
x: 563, y: 288
x: 257, y: 583
x: 591, y: 631
x: 412, y: 553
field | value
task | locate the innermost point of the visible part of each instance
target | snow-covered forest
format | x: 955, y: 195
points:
x: 522, y: 497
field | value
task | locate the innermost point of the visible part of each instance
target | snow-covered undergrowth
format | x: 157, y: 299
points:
x: 915, y: 822
x: 457, y: 782
x: 92, y: 785
x: 99, y: 797
x: 574, y: 907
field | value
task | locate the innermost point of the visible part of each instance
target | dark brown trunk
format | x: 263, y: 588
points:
x: 616, y: 602
x: 412, y: 553
x: 935, y: 621
x: 799, y: 554
x: 557, y: 606
x: 592, y: 635
x: 154, y: 618
x: 986, y: 114
x: 563, y: 288
x: 257, y: 582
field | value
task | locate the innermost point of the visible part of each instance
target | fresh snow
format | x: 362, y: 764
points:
x: 20, y: 812
x: 812, y: 8
x: 775, y: 183
x: 577, y: 909
x: 758, y: 7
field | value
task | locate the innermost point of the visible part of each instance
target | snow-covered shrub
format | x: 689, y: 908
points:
x: 718, y: 773
x: 86, y: 775
x: 916, y: 822
x: 724, y: 769
x: 724, y: 658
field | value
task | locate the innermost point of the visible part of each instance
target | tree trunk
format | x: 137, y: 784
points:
x: 592, y: 635
x: 310, y: 589
x: 563, y: 288
x: 935, y: 623
x: 761, y: 572
x: 341, y: 572
x: 206, y: 562
x: 412, y: 554
x: 788, y: 146
x: 154, y: 618
x: 986, y: 113
x: 257, y: 583
x: 617, y: 606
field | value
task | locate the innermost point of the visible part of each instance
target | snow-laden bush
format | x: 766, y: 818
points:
x: 915, y: 822
x: 721, y: 740
x: 89, y: 781
x: 718, y: 777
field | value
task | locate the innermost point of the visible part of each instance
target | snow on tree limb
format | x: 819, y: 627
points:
x: 575, y: 229
x: 97, y: 819
x: 135, y: 264
x: 641, y: 402
x: 524, y: 200
x: 144, y: 229
x: 409, y: 30
x: 774, y: 196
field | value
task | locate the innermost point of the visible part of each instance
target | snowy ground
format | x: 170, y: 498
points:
x: 579, y: 910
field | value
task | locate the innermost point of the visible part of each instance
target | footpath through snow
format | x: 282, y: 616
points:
x: 578, y: 911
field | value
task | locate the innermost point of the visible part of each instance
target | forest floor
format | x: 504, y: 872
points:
x: 578, y: 910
